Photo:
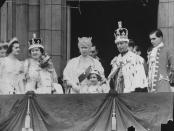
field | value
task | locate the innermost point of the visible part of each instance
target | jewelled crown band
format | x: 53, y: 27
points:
x: 35, y: 42
x: 121, y: 34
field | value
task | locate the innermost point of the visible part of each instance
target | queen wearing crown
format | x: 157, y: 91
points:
x: 40, y: 75
x: 127, y: 71
x: 77, y: 69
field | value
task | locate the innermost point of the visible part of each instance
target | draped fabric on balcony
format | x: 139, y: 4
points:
x: 86, y: 112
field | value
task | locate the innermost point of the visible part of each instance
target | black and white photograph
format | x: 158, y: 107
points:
x: 86, y: 65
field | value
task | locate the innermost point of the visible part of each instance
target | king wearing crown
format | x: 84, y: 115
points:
x: 128, y: 73
x: 121, y: 34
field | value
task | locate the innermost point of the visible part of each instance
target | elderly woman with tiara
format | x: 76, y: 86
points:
x: 40, y: 75
x: 11, y: 70
x: 128, y: 72
x: 77, y: 69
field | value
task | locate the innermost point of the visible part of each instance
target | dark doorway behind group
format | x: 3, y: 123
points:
x: 99, y: 20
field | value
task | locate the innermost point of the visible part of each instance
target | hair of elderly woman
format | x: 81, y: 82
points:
x: 85, y: 41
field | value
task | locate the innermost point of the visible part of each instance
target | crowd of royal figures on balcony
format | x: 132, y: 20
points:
x: 36, y: 73
x: 85, y: 74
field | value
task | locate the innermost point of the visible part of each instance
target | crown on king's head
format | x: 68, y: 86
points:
x: 121, y: 34
x: 35, y: 42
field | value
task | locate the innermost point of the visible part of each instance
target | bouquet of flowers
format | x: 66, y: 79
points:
x: 45, y: 61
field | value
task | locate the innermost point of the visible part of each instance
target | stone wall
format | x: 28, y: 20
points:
x: 22, y: 18
x: 166, y: 20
